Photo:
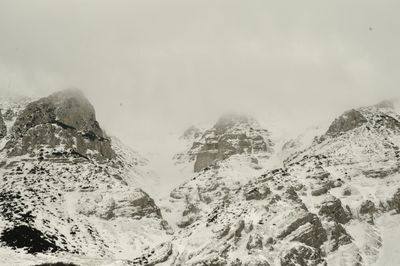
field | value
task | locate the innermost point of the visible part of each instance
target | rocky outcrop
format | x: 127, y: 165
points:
x: 128, y: 203
x: 395, y: 201
x: 3, y: 127
x: 191, y: 133
x: 155, y: 256
x: 307, y: 230
x: 348, y: 121
x: 231, y: 135
x: 64, y: 120
x: 303, y: 256
x: 367, y: 207
x: 332, y: 209
x: 338, y: 237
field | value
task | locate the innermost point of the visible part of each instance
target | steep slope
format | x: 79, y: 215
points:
x: 67, y: 189
x: 356, y: 160
x: 332, y: 203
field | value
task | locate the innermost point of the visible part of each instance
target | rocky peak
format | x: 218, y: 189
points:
x: 232, y: 134
x: 65, y: 120
x: 348, y: 121
x: 68, y: 108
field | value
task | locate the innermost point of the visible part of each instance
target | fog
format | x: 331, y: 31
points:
x: 152, y: 67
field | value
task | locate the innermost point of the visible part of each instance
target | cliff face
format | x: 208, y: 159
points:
x: 232, y: 134
x: 65, y: 120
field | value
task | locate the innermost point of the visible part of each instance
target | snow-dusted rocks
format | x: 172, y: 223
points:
x: 128, y: 203
x: 232, y: 134
x: 63, y: 120
x: 3, y: 127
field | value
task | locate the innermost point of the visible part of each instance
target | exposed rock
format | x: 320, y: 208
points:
x: 3, y: 127
x: 128, y: 203
x: 257, y: 262
x: 213, y: 259
x: 230, y: 135
x: 255, y: 242
x: 257, y: 193
x: 191, y: 133
x: 346, y: 122
x: 339, y: 237
x: 332, y: 209
x: 64, y: 119
x: 367, y: 207
x: 306, y: 229
x: 303, y: 256
x: 57, y: 264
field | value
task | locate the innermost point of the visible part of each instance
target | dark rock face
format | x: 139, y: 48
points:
x: 191, y: 133
x: 257, y: 193
x: 313, y: 235
x: 64, y: 119
x: 129, y: 204
x: 348, y: 121
x: 255, y: 242
x: 155, y: 256
x: 3, y: 127
x: 303, y: 256
x: 339, y: 236
x: 395, y: 201
x: 230, y: 135
x: 332, y: 209
x: 29, y: 238
x: 367, y: 207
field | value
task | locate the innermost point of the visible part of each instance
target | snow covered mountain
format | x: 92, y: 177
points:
x: 71, y: 193
x: 68, y: 189
x: 333, y: 202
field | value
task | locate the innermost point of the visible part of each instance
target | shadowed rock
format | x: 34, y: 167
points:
x: 3, y: 127
x: 346, y: 122
x: 65, y: 120
x: 332, y: 209
x: 231, y: 135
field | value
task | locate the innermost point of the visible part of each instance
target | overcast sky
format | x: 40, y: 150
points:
x: 153, y: 66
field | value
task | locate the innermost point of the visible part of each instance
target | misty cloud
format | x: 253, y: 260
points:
x: 154, y: 64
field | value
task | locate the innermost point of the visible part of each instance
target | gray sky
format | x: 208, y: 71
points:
x: 152, y: 66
